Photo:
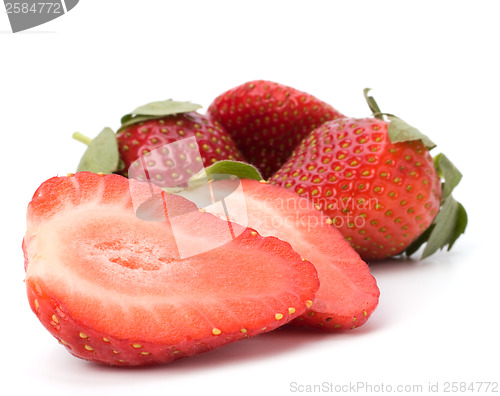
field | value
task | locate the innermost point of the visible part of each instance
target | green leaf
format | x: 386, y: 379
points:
x: 449, y: 224
x: 155, y: 110
x: 101, y: 155
x: 128, y: 120
x: 239, y: 169
x: 400, y: 131
x: 415, y: 245
x: 448, y: 172
x: 202, y: 194
x: 242, y: 170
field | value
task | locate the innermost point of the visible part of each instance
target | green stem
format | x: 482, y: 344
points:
x: 373, y: 105
x: 82, y: 138
x: 380, y: 115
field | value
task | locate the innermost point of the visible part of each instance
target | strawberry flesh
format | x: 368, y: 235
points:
x: 348, y: 293
x: 113, y: 288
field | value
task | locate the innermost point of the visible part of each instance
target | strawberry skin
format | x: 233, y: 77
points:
x: 112, y: 289
x: 139, y: 139
x: 380, y: 195
x: 268, y: 120
x: 348, y: 293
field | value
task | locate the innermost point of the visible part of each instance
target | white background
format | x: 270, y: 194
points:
x: 433, y: 63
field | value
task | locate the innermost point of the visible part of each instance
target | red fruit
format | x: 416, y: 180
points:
x: 142, y: 134
x: 379, y: 185
x: 113, y: 289
x: 380, y: 195
x: 348, y: 293
x: 268, y: 120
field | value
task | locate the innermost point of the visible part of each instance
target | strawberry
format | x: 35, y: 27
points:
x: 378, y: 183
x: 268, y: 120
x: 114, y: 289
x: 348, y: 293
x: 153, y: 126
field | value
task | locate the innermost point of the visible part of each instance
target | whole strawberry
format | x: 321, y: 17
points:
x: 166, y: 142
x: 379, y: 185
x: 268, y: 120
x: 158, y: 124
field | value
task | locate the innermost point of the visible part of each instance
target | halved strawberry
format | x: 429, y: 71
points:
x: 348, y: 293
x: 113, y: 288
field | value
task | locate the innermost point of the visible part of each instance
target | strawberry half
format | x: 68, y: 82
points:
x: 268, y: 120
x: 348, y: 293
x: 113, y: 289
x: 378, y: 184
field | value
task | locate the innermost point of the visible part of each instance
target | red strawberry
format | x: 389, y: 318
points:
x: 268, y: 120
x: 348, y: 293
x: 377, y: 182
x: 113, y: 289
x: 154, y: 125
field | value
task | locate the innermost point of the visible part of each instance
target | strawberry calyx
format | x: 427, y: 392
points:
x: 241, y: 170
x: 200, y: 188
x: 397, y: 129
x: 156, y: 110
x: 102, y: 154
x: 451, y: 220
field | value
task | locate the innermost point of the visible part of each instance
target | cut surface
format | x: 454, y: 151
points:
x: 98, y: 269
x: 348, y: 293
